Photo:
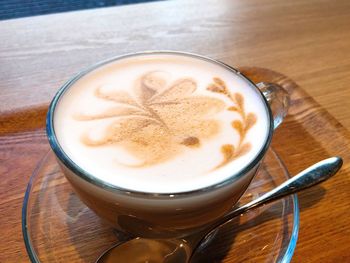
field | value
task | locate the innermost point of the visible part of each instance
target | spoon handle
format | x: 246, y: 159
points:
x: 311, y: 176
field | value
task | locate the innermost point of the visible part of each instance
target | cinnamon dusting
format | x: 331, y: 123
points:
x: 160, y: 119
x: 242, y: 126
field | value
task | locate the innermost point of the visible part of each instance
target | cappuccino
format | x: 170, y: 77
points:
x: 162, y: 123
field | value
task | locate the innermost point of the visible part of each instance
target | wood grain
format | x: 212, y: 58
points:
x: 307, y: 135
x: 299, y: 141
x: 306, y: 40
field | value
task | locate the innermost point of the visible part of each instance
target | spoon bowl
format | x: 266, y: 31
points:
x: 148, y: 250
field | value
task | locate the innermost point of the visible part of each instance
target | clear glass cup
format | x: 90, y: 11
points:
x: 175, y: 216
x: 58, y: 227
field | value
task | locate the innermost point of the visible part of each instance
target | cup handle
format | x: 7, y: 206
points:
x: 278, y: 99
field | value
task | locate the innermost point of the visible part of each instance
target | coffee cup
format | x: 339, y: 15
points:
x: 162, y: 143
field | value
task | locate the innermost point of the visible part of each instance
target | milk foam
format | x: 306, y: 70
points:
x: 161, y: 123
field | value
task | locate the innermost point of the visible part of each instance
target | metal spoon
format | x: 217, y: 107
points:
x: 177, y: 250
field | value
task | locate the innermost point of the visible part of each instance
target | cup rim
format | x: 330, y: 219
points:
x: 77, y: 170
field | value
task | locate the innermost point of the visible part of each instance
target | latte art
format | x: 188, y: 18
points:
x: 161, y: 123
x: 242, y: 126
x: 159, y: 120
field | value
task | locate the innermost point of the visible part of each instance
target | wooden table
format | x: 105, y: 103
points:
x: 308, y: 41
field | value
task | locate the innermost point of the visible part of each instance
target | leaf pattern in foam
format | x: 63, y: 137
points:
x: 149, y: 85
x: 118, y: 96
x: 180, y: 89
x: 160, y: 122
x: 113, y: 112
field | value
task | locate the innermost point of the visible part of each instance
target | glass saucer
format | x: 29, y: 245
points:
x: 58, y: 227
